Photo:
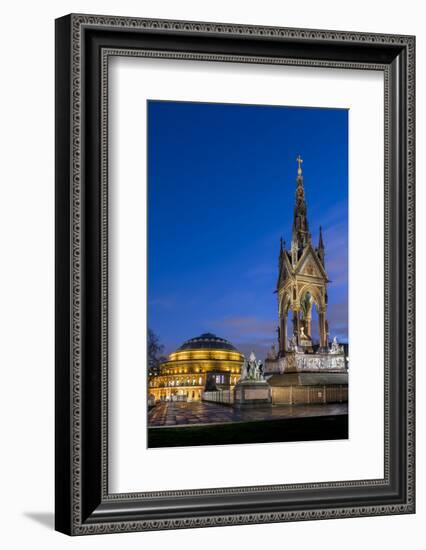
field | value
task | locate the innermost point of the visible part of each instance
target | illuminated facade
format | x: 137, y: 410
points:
x: 205, y: 362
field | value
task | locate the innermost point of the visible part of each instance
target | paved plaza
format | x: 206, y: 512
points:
x: 201, y: 413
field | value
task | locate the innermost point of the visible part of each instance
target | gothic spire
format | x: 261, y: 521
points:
x: 320, y: 242
x: 281, y: 255
x: 280, y: 260
x: 301, y: 236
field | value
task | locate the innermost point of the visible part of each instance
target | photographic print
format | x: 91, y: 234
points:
x: 247, y: 274
x: 215, y: 253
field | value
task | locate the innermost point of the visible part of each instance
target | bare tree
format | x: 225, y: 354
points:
x: 155, y: 349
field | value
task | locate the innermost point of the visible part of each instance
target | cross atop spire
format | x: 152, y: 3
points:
x: 299, y: 161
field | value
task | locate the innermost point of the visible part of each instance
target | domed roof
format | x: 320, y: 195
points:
x: 207, y: 341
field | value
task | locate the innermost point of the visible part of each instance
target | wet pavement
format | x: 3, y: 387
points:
x: 199, y: 412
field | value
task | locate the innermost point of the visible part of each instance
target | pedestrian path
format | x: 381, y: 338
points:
x: 199, y: 412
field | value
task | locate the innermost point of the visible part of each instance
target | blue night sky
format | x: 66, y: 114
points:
x: 221, y: 187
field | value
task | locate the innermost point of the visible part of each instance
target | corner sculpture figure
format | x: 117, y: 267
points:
x: 335, y: 348
x: 252, y: 389
x: 292, y: 346
x: 252, y: 369
x: 244, y: 370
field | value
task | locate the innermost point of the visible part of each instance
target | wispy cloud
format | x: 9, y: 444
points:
x: 336, y: 255
x: 332, y: 216
x: 337, y: 271
x: 246, y: 325
x: 258, y: 347
x: 248, y: 333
